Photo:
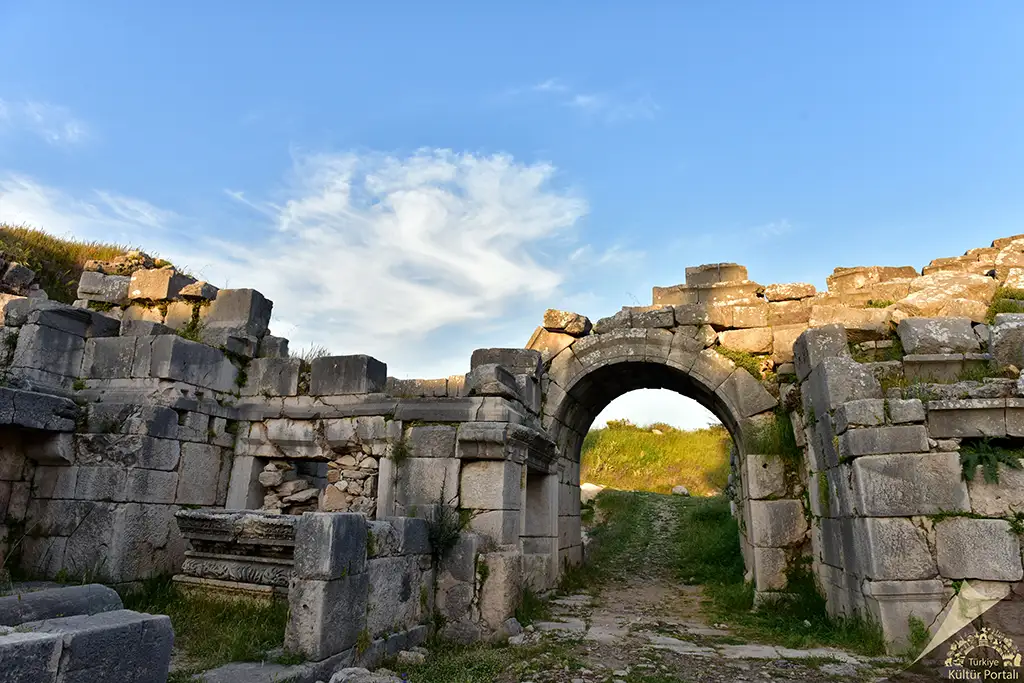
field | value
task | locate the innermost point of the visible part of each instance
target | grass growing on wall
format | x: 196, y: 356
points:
x: 57, y: 261
x: 209, y: 631
x: 630, y: 457
x: 1006, y: 300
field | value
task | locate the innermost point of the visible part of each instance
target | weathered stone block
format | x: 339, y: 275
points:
x: 1007, y: 339
x: 52, y: 482
x: 937, y: 335
x: 789, y: 292
x: 491, y: 485
x: 983, y: 549
x: 272, y: 377
x: 157, y: 284
x: 37, y: 410
x: 941, y: 368
x: 516, y: 360
x: 905, y: 411
x: 423, y: 481
x: 396, y: 608
x: 150, y: 486
x: 996, y: 499
x: 862, y: 412
x: 887, y: 549
x: 133, y: 327
x: 908, y: 485
x: 347, y: 375
x: 753, y: 340
x: 549, y: 344
x: 121, y: 418
x: 57, y: 602
x: 976, y: 417
x: 566, y: 322
x: 776, y: 523
x: 838, y: 380
x: 878, y: 440
x: 815, y: 345
x: 861, y: 324
x: 431, y: 441
x: 766, y: 477
x: 29, y: 657
x: 198, y: 474
x: 745, y: 395
x: 713, y: 273
x: 46, y: 348
x: 501, y: 593
x: 330, y: 545
x: 99, y: 287
x: 492, y: 380
x: 186, y: 361
x: 501, y: 526
x: 272, y: 347
x: 770, y: 569
x: 326, y: 617
x: 245, y: 311
x: 711, y: 368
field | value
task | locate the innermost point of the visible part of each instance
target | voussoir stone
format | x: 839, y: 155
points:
x: 566, y: 322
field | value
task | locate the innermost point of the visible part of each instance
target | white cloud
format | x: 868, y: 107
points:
x: 54, y: 124
x: 773, y: 229
x: 363, y: 254
x: 610, y: 107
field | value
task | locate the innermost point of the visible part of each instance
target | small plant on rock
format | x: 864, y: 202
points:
x: 988, y: 456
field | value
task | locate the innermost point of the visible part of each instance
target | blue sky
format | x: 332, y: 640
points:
x: 416, y: 180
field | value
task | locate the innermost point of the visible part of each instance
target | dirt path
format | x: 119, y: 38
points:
x: 646, y: 627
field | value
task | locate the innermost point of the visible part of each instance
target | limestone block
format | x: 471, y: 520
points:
x: 753, y: 340
x: 770, y: 569
x: 198, y: 474
x: 783, y: 339
x: 937, y: 335
x: 1007, y: 339
x: 150, y: 486
x: 326, y: 617
x: 860, y: 324
x: 983, y: 549
x: 837, y: 380
x: 500, y: 594
x: 122, y: 418
x: 878, y: 440
x: 245, y: 311
x: 976, y: 417
x: 566, y: 322
x: 100, y: 484
x: 330, y: 545
x: 99, y: 287
x: 393, y: 603
x: 272, y: 377
x: 108, y: 358
x: 52, y: 482
x: 46, y: 348
x: 713, y: 273
x: 501, y: 526
x: 142, y: 312
x: 460, y: 561
x: 29, y: 657
x: 413, y: 535
x: 789, y: 292
x: 850, y: 279
x: 942, y: 368
x: 199, y: 290
x: 711, y: 368
x: 994, y: 500
x: 13, y: 309
x: 358, y: 374
x: 745, y: 395
x: 862, y: 412
x: 127, y: 450
x: 549, y: 344
x: 766, y: 477
x: 34, y: 410
x: 179, y: 314
x: 785, y: 313
x: 516, y: 360
x: 887, y: 548
x: 619, y: 321
x: 776, y: 523
x: 431, y: 441
x: 143, y: 541
x: 908, y: 485
x: 491, y: 485
x: 423, y: 481
x: 157, y: 284
x: 191, y: 362
x: 142, y: 328
x: 691, y: 314
x: 814, y: 345
x: 272, y: 347
x: 244, y: 489
x: 905, y: 411
x: 891, y: 604
x: 492, y: 380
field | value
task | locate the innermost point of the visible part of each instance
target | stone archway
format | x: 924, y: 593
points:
x: 587, y: 368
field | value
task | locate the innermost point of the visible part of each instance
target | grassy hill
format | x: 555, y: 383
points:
x: 656, y: 458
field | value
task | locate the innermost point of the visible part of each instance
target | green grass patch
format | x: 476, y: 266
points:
x: 879, y: 303
x: 629, y: 457
x: 532, y: 608
x: 774, y: 436
x: 743, y: 359
x: 211, y: 631
x: 707, y: 542
x: 487, y: 664
x: 1006, y: 300
x: 58, y: 262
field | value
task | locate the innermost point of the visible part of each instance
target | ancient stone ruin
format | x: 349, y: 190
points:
x: 156, y: 426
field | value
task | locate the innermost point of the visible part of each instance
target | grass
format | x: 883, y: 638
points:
x: 487, y: 664
x: 1006, y: 300
x: 743, y: 359
x: 774, y: 436
x: 532, y: 608
x: 58, y: 262
x: 879, y: 303
x: 211, y: 631
x: 629, y: 457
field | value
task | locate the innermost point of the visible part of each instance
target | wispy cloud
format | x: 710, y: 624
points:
x: 772, y: 229
x: 362, y: 253
x: 608, y: 106
x: 54, y: 124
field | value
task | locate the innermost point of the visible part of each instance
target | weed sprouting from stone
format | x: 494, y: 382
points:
x: 989, y: 456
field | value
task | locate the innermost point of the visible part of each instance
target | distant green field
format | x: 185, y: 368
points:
x: 634, y: 458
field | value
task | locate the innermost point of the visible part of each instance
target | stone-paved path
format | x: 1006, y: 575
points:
x: 648, y: 628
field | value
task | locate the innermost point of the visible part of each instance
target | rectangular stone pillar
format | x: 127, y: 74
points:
x: 492, y: 490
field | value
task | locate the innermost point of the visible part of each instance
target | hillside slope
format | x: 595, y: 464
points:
x: 656, y: 458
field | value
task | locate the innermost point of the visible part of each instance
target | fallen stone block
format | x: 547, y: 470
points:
x: 94, y: 598
x: 566, y: 322
x: 29, y: 657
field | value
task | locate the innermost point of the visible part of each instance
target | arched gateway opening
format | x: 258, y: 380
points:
x: 587, y: 369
